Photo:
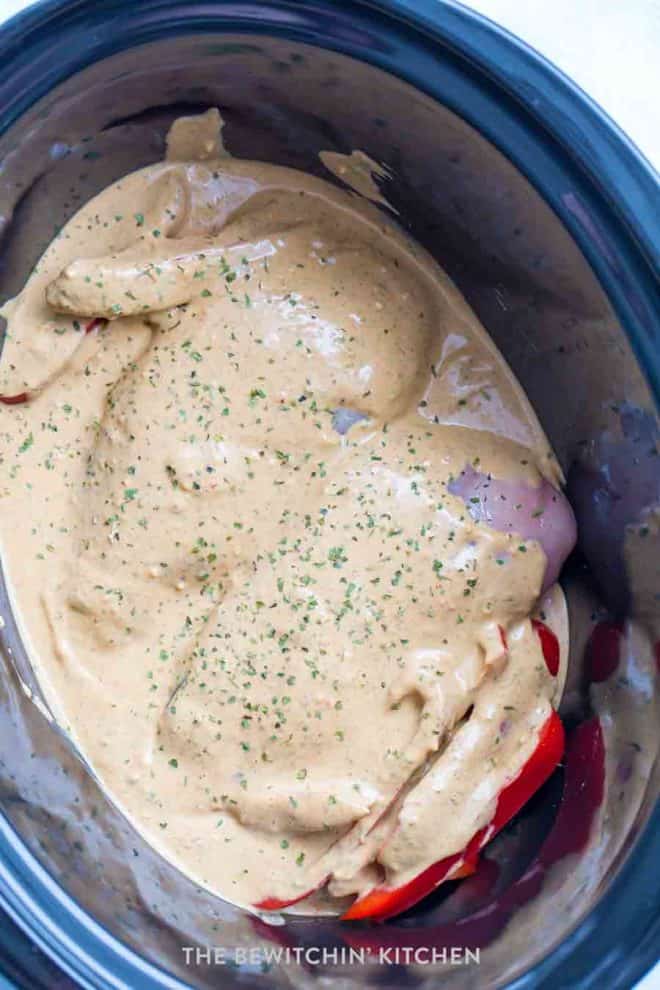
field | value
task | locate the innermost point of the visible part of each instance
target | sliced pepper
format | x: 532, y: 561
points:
x: 278, y: 903
x: 603, y: 650
x: 14, y: 400
x: 383, y: 902
x: 583, y: 792
x: 549, y: 646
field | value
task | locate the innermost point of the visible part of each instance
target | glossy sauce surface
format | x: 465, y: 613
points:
x: 255, y: 592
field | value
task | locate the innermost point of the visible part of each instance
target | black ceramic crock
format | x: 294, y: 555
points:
x: 547, y: 218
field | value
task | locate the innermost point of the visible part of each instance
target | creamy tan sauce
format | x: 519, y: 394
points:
x: 359, y: 172
x: 258, y: 630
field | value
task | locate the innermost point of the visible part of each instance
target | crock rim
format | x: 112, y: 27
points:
x: 621, y: 181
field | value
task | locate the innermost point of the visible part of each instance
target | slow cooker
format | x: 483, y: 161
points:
x: 547, y: 219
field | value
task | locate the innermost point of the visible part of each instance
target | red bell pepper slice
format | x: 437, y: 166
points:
x: 583, y: 792
x: 539, y: 766
x: 603, y: 650
x: 277, y: 903
x: 383, y: 902
x: 549, y: 646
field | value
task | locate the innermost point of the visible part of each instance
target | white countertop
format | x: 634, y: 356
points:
x: 611, y: 48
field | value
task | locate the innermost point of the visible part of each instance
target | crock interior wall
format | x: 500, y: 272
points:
x: 487, y: 227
